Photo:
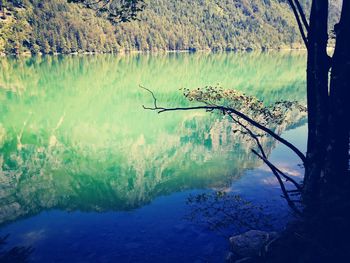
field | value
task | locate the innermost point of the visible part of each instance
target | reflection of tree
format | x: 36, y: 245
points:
x: 276, y: 75
x: 64, y: 175
x: 253, y: 120
x: 221, y: 211
x: 15, y: 254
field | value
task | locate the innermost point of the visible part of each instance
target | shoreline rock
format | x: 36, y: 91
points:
x: 249, y: 245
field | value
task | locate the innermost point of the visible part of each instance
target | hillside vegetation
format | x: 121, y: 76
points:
x: 54, y: 26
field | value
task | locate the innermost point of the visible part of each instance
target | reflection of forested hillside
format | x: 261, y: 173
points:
x: 73, y: 134
x: 267, y: 75
x: 202, y: 152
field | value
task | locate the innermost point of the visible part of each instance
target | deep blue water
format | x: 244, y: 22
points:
x: 157, y: 232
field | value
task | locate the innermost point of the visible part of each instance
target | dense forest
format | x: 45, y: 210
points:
x: 54, y: 26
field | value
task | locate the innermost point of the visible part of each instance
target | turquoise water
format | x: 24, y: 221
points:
x: 88, y: 175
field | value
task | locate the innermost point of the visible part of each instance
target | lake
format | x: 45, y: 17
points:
x: 88, y: 175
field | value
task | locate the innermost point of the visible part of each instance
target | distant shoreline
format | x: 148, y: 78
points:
x: 247, y: 50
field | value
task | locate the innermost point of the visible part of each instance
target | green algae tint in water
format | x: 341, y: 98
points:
x: 74, y: 137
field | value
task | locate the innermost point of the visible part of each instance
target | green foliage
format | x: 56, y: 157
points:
x: 56, y: 26
x: 213, y: 25
x: 268, y: 115
x: 114, y: 10
x: 14, y: 27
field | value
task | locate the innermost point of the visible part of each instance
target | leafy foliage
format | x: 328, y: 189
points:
x: 56, y: 26
x: 268, y: 115
x: 115, y: 10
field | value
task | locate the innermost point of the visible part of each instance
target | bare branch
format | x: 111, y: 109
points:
x: 288, y: 178
x: 300, y: 25
x: 153, y: 96
x: 257, y: 141
x: 302, y: 14
x: 253, y: 135
x: 282, y: 186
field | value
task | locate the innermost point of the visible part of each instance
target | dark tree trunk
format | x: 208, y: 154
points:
x: 317, y: 99
x: 335, y: 182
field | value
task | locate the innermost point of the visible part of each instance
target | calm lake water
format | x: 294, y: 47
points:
x: 88, y: 175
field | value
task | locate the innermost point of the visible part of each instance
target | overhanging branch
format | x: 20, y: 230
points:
x: 263, y: 154
x: 237, y: 119
x: 229, y: 111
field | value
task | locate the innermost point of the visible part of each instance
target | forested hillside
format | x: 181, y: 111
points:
x: 54, y: 26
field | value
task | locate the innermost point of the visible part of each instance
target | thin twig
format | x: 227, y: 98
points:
x: 282, y: 186
x: 154, y: 97
x: 257, y: 141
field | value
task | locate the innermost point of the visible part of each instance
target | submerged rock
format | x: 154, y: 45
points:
x: 251, y: 243
x: 233, y: 258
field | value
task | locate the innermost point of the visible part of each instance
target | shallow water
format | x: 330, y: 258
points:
x: 88, y: 175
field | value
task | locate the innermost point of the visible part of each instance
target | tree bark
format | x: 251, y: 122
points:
x: 317, y: 99
x: 336, y: 179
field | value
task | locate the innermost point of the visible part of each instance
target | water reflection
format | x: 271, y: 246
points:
x: 73, y: 135
x: 18, y: 254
